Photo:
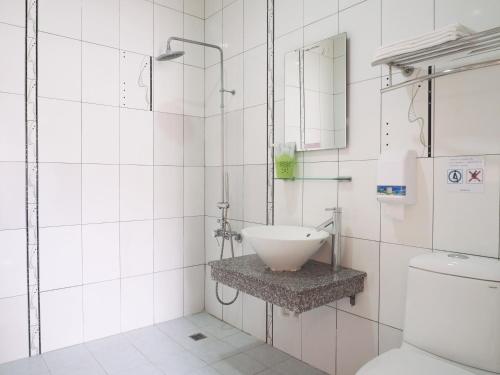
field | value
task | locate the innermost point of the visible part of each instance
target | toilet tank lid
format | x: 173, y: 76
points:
x: 459, y: 265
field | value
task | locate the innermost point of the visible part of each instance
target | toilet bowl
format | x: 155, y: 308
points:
x: 452, y: 321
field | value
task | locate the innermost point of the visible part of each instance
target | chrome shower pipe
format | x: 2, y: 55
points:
x: 222, y: 90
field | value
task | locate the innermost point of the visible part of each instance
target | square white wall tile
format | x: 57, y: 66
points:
x: 212, y: 306
x: 194, y: 289
x: 168, y: 244
x: 466, y: 113
x: 406, y: 19
x: 254, y: 23
x: 136, y: 248
x: 323, y: 29
x: 100, y: 74
x: 254, y: 316
x: 360, y: 208
x: 135, y: 85
x: 136, y: 192
x: 319, y: 195
x: 60, y: 257
x: 12, y: 64
x: 317, y: 9
x: 168, y: 139
x: 195, y: 8
x: 136, y: 302
x: 13, y: 265
x: 288, y: 16
x: 136, y: 26
x: 14, y: 328
x: 168, y: 192
x: 394, y: 260
x: 232, y: 314
x: 233, y: 80
x: 287, y: 332
x: 136, y: 136
x: 232, y: 29
x: 357, y: 342
x: 362, y: 24
x: 194, y: 101
x: 101, y: 252
x: 59, y: 194
x: 194, y: 186
x: 477, y: 15
x: 343, y: 4
x: 194, y: 241
x: 255, y: 76
x: 61, y: 17
x: 389, y: 338
x: 212, y: 93
x: 12, y: 196
x: 59, y: 131
x: 174, y: 4
x: 319, y: 336
x: 62, y: 318
x: 363, y: 129
x: 101, y: 309
x: 212, y: 6
x: 101, y: 22
x: 456, y: 224
x: 168, y: 295
x: 416, y: 228
x: 59, y: 76
x: 13, y: 12
x: 168, y: 87
x: 194, y: 29
x: 167, y: 22
x: 100, y: 134
x: 233, y: 143
x: 100, y: 193
x: 213, y: 185
x: 12, y: 128
x: 255, y: 135
x: 212, y: 141
x: 194, y: 141
x: 254, y: 191
x: 362, y: 255
x: 288, y: 200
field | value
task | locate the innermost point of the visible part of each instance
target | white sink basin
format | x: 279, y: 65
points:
x: 282, y: 247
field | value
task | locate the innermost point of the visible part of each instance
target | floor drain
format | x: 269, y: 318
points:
x: 198, y: 336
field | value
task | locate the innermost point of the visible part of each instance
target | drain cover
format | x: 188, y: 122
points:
x: 198, y: 336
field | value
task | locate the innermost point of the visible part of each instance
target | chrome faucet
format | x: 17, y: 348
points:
x: 336, y: 228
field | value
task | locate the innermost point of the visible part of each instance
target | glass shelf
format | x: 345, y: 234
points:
x: 340, y: 178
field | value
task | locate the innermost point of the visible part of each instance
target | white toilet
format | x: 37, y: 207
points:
x: 452, y: 324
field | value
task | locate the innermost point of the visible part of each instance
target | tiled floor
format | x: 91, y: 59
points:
x: 167, y: 349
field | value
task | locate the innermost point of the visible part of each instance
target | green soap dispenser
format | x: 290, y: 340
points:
x: 285, y: 160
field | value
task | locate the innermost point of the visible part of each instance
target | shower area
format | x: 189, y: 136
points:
x: 137, y: 153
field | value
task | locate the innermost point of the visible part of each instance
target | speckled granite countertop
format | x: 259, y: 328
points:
x: 314, y: 285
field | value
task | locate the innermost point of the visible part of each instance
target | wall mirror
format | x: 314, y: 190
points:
x: 315, y: 95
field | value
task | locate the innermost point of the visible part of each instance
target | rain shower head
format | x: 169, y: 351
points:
x: 169, y: 55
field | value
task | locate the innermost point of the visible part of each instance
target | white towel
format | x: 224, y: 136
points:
x: 434, y: 38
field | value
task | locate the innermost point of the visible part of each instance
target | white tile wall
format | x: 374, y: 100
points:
x: 440, y: 220
x: 61, y: 257
x: 105, y: 172
x: 14, y: 327
x: 62, y: 318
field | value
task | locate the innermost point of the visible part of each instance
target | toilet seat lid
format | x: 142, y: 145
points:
x: 409, y: 362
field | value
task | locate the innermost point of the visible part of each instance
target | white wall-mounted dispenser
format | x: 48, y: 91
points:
x: 397, y: 181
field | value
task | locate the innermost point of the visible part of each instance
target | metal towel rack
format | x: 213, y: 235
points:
x: 474, y: 45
